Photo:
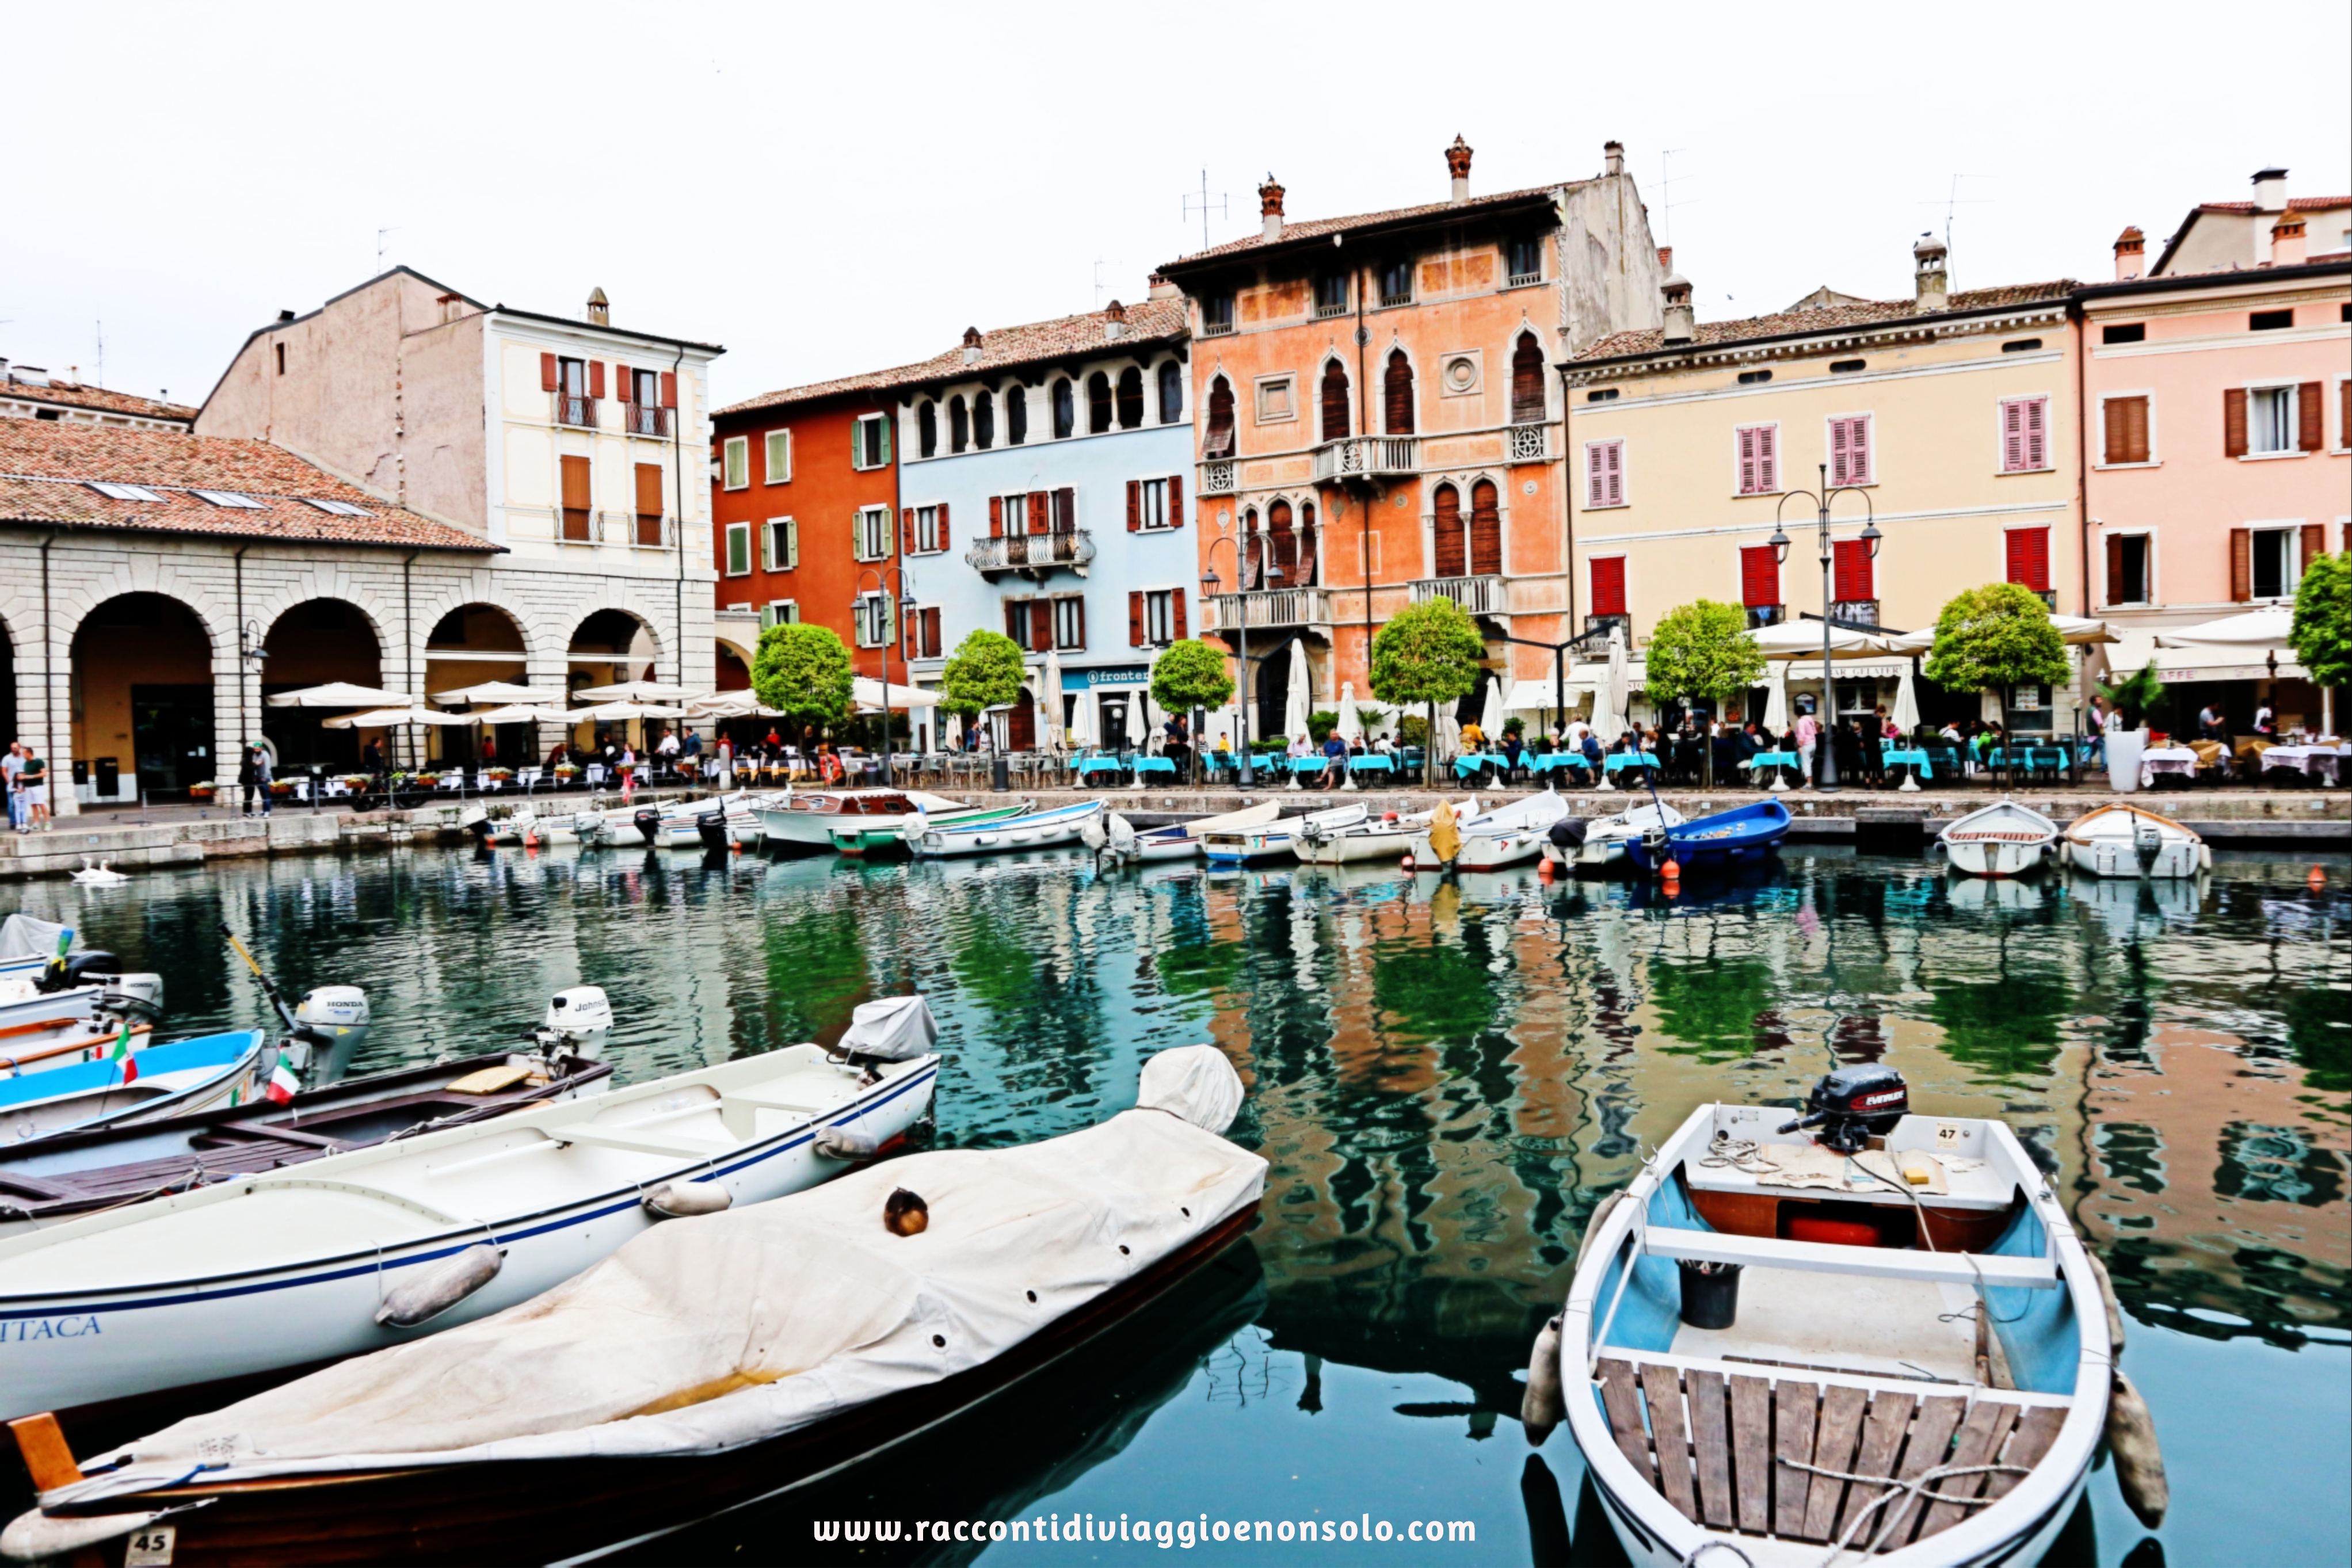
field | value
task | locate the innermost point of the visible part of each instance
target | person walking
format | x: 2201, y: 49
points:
x: 247, y: 770
x: 11, y: 766
x: 1809, y: 735
x: 34, y: 781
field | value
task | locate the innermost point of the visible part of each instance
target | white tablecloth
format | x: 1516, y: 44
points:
x: 2165, y: 759
x: 2325, y: 760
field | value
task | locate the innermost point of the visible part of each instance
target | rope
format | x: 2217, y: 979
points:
x: 1914, y: 1488
x: 1738, y: 1154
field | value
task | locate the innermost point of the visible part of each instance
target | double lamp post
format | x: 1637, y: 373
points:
x: 1822, y: 497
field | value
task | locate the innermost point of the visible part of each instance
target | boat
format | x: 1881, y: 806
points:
x: 1604, y: 841
x: 2003, y: 839
x: 882, y: 835
x: 1181, y: 841
x: 2132, y: 840
x: 1783, y: 1322
x: 172, y: 1080
x: 1276, y: 837
x: 355, y: 1251
x: 805, y: 818
x: 1387, y: 837
x: 67, y: 1173
x: 1500, y: 836
x: 1712, y: 844
x: 716, y: 1361
x: 1046, y: 830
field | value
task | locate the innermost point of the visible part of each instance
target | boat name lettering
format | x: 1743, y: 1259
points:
x: 22, y: 1329
x: 1886, y: 1099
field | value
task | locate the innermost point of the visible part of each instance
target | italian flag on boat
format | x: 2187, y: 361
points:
x: 283, y: 1085
x: 122, y: 1057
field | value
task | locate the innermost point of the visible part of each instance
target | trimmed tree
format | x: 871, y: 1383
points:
x: 1994, y: 638
x: 985, y: 672
x: 1701, y: 651
x: 1427, y: 654
x: 1189, y: 677
x: 804, y: 671
x: 2321, y: 633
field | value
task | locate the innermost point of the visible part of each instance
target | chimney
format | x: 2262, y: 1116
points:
x: 2270, y: 190
x: 1665, y: 258
x: 1934, y: 283
x: 971, y: 345
x: 2286, y: 241
x: 2131, y: 254
x: 1161, y: 288
x: 286, y: 316
x: 1114, y: 321
x: 1613, y: 154
x: 1457, y: 164
x: 599, y: 309
x: 1681, y: 321
x: 1269, y: 206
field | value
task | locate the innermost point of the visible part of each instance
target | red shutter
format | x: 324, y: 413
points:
x: 1041, y: 623
x: 669, y: 389
x: 1853, y: 571
x: 1041, y: 520
x: 595, y: 378
x: 932, y: 642
x: 996, y: 517
x: 2242, y: 561
x: 906, y: 530
x: 1176, y: 613
x: 1175, y: 500
x: 1759, y: 576
x: 2028, y: 557
x: 622, y: 388
x: 2311, y: 416
x: 2037, y: 434
x: 1609, y: 585
x: 943, y: 525
x: 547, y: 372
x: 1135, y: 619
x: 1135, y: 505
x: 2115, y: 568
x: 2233, y: 422
x: 1767, y: 458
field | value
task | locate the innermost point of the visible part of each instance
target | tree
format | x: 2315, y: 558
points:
x: 1702, y: 653
x: 804, y: 671
x: 1190, y: 674
x: 985, y: 672
x: 1994, y: 638
x: 2136, y: 694
x: 2322, y: 631
x: 1428, y: 653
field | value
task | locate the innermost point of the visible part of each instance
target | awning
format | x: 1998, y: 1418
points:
x: 1856, y: 669
x: 2197, y: 660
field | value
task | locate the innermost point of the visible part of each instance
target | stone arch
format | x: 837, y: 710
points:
x: 151, y: 704
x: 309, y: 642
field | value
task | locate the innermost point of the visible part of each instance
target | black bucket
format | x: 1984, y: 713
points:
x: 1710, y: 1294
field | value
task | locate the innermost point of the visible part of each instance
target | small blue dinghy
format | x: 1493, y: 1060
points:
x: 160, y: 1081
x: 1733, y: 838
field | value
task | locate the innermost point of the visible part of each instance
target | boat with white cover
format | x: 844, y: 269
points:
x: 1605, y: 838
x: 1383, y: 838
x: 1275, y: 838
x: 357, y: 1252
x: 1864, y: 1328
x: 772, y: 1346
x: 2132, y: 841
x: 1501, y: 836
x: 805, y: 818
x: 2003, y: 839
x: 1050, y: 829
x: 1181, y: 842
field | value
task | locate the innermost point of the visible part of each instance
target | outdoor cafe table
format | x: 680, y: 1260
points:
x: 1555, y: 761
x: 1891, y: 757
x: 2325, y: 761
x: 1143, y: 765
x: 1775, y: 760
x: 1373, y: 762
x: 1086, y: 766
x: 2165, y: 759
x: 1618, y: 761
x: 1469, y: 764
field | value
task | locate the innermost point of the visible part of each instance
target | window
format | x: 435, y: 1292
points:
x: 1021, y: 512
x: 1396, y: 282
x: 1171, y: 391
x: 2028, y: 558
x: 869, y: 441
x: 1130, y: 398
x: 1098, y: 403
x: 1850, y: 451
x: 1069, y: 623
x: 1854, y: 573
x: 336, y: 508
x: 1609, y: 585
x: 870, y: 617
x: 575, y: 514
x: 1333, y: 400
x: 1758, y: 447
x: 2270, y: 424
x: 2344, y: 414
x: 2129, y: 580
x: 924, y: 637
x: 1274, y: 401
x: 2125, y: 332
x: 648, y: 477
x: 1331, y: 294
x: 780, y: 612
x: 958, y: 424
x: 1066, y: 416
x: 2263, y: 563
x: 870, y: 533
x: 1154, y: 504
x: 739, y: 549
x: 927, y: 428
x: 1604, y: 473
x: 984, y: 419
x: 2270, y: 320
x: 931, y: 530
x: 1016, y: 414
x: 779, y: 545
x: 232, y: 499
x: 1528, y: 404
x: 1486, y: 529
x: 114, y: 492
x: 645, y: 407
x: 1760, y: 582
x: 736, y: 469
x: 1029, y: 624
x: 1158, y: 627
x: 281, y: 358
x: 1216, y: 315
x: 2021, y: 345
x: 1754, y: 377
x: 1523, y: 262
x: 779, y: 469
x: 1603, y: 395
x: 1396, y: 388
x: 1220, y: 442
x: 2126, y: 429
x: 1064, y: 510
x: 576, y: 384
x: 2260, y: 422
x: 2024, y: 434
x: 1847, y: 367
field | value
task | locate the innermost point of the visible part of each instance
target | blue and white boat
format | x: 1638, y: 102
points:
x: 172, y: 1080
x: 1271, y: 841
x: 1051, y: 829
x: 1737, y: 837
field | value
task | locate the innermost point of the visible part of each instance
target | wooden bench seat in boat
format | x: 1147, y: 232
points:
x: 1713, y: 1436
x: 1833, y: 1258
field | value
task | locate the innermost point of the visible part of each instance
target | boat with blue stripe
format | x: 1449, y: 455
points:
x: 1734, y: 838
x: 174, y: 1080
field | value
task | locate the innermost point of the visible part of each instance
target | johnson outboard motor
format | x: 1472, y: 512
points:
x: 1855, y: 1105
x: 711, y: 828
x: 648, y: 821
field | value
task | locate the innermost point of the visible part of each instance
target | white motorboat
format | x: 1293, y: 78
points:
x: 357, y: 1252
x: 1277, y: 837
x: 2132, y: 841
x: 1501, y: 836
x: 1606, y: 838
x: 805, y: 819
x: 2003, y: 839
x: 1772, y: 1331
x: 178, y: 1079
x: 1051, y: 829
x: 1383, y: 838
x: 1181, y: 842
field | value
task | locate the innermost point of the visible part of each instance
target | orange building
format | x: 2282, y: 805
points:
x: 1377, y: 424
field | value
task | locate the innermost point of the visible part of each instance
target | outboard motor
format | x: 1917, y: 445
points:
x: 648, y: 821
x: 897, y: 1029
x: 711, y: 828
x: 1654, y: 842
x: 577, y: 1021
x: 2147, y: 844
x: 87, y: 967
x: 482, y: 828
x: 1567, y: 836
x: 1855, y: 1105
x: 330, y: 1025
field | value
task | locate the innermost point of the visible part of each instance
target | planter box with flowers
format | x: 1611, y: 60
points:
x: 201, y: 791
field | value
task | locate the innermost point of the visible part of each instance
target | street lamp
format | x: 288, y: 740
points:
x: 1821, y: 498
x: 888, y: 617
x: 1210, y: 583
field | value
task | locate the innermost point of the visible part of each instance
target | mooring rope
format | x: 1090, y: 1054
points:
x: 1914, y: 1488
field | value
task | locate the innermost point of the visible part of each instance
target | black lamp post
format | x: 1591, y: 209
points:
x: 1821, y: 498
x: 889, y: 616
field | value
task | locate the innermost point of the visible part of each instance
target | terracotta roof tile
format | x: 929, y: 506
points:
x: 1317, y: 228
x: 69, y: 394
x: 2316, y: 203
x: 1826, y: 318
x: 46, y: 468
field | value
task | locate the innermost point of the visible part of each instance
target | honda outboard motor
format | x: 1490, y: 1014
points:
x: 711, y: 827
x: 1855, y: 1105
x: 330, y: 1025
x: 648, y: 821
x: 577, y: 1021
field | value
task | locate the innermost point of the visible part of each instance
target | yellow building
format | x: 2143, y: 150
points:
x: 1947, y: 418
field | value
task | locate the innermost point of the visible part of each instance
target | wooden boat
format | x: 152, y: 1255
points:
x: 1506, y: 835
x: 2003, y: 839
x: 294, y: 1268
x: 1605, y: 839
x: 1712, y: 844
x: 1181, y: 842
x: 1765, y: 1311
x: 1388, y: 836
x: 1276, y: 837
x: 68, y: 1174
x: 697, y: 1369
x: 805, y: 818
x: 185, y: 1076
x: 882, y: 836
x: 1051, y: 830
x: 2131, y: 841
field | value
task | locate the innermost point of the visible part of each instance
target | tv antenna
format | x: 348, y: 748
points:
x: 1953, y: 201
x: 101, y: 353
x: 379, y: 244
x: 1205, y: 205
x: 1666, y: 203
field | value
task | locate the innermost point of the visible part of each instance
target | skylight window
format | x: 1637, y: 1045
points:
x: 339, y: 508
x: 229, y: 498
x: 124, y: 492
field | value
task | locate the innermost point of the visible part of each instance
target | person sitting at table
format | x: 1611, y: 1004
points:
x: 1513, y: 750
x: 1384, y: 746
x: 1334, y: 761
x: 1589, y: 746
x: 2210, y: 726
x: 1473, y: 738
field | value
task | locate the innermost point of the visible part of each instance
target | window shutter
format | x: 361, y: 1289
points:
x: 1176, y: 614
x: 932, y: 641
x: 1135, y: 617
x: 943, y: 525
x: 1041, y: 518
x: 1399, y: 387
x: 2344, y: 416
x: 1616, y: 488
x: 1486, y: 530
x: 1609, y: 585
x: 2310, y: 417
x: 2115, y: 584
x: 1135, y: 505
x: 996, y: 517
x: 2116, y: 443
x: 1858, y: 453
x: 1446, y: 516
x: 792, y: 546
x: 906, y: 530
x: 2028, y: 557
x: 1853, y: 571
x: 595, y: 378
x: 1065, y: 509
x: 1759, y: 577
x: 1748, y: 482
x: 2315, y: 543
x: 2037, y: 434
x: 621, y: 387
x: 1175, y: 500
x: 547, y: 372
x: 1595, y: 488
x: 1839, y: 460
x: 2241, y: 561
x: 768, y: 547
x: 2013, y: 437
x: 1041, y: 623
x: 2233, y: 422
x: 883, y: 425
x: 1016, y: 621
x: 1080, y: 606
x: 2127, y: 436
x: 669, y: 389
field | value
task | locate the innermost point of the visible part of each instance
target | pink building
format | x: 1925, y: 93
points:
x: 2217, y: 427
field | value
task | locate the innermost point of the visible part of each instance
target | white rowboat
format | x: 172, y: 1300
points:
x: 805, y: 819
x: 1270, y: 840
x: 1183, y: 841
x: 1051, y: 830
x: 2004, y: 838
x: 1605, y: 840
x: 1383, y: 838
x: 1504, y: 836
x: 2132, y: 841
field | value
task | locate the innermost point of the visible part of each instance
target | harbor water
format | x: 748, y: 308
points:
x: 1447, y: 1076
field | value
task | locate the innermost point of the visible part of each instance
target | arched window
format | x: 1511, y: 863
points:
x: 1307, y: 552
x: 1171, y: 391
x: 1285, y: 541
x: 927, y: 428
x: 1445, y: 507
x: 1220, y: 420
x: 1335, y: 402
x: 1397, y: 390
x: 1098, y: 403
x: 1527, y: 381
x: 958, y: 424
x: 1016, y: 414
x: 1130, y: 398
x: 1486, y: 530
x: 983, y: 420
x: 1066, y: 412
x: 1253, y: 549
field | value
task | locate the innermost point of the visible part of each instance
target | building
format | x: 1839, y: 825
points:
x: 27, y: 391
x: 1948, y: 419
x: 1378, y: 422
x: 2218, y: 396
x: 560, y: 443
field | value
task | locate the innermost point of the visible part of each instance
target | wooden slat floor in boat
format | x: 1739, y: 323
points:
x: 1714, y: 1447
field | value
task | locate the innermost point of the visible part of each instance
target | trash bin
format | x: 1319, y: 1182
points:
x: 999, y: 773
x: 110, y: 777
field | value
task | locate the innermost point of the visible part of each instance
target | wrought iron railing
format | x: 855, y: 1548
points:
x: 579, y: 410
x: 1597, y: 627
x: 1270, y: 608
x: 1761, y: 615
x: 1032, y: 552
x: 1482, y: 595
x: 645, y: 419
x: 1855, y: 611
x: 1365, y: 456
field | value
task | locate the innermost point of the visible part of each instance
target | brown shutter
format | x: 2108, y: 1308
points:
x: 943, y: 525
x: 1399, y: 389
x: 906, y: 530
x: 996, y: 517
x: 547, y: 372
x: 1041, y: 518
x: 1176, y: 613
x: 1486, y: 530
x: 2344, y: 416
x: 576, y: 482
x: 1041, y: 623
x: 1175, y: 500
x: 622, y: 388
x: 1335, y: 402
x: 2115, y: 568
x: 1526, y: 380
x: 649, y: 489
x: 595, y: 378
x: 2127, y: 430
x: 2233, y: 423
x: 1447, y: 511
x: 2241, y: 557
x: 1065, y: 509
x: 2311, y: 417
x: 2315, y: 543
x: 932, y: 642
x: 1135, y: 617
x: 1135, y: 505
x: 1016, y: 621
x: 669, y: 389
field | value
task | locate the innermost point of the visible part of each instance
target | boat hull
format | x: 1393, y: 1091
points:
x: 1043, y: 831
x: 1372, y: 844
x: 2106, y: 842
x: 178, y: 1079
x: 1995, y: 857
x: 1720, y: 842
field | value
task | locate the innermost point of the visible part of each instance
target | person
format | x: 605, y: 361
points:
x: 2096, y: 754
x: 668, y: 749
x: 2265, y: 720
x: 1512, y: 747
x: 1386, y: 744
x: 1809, y: 735
x: 1334, y: 761
x: 2210, y: 726
x: 253, y: 773
x: 1473, y: 738
x: 1875, y: 731
x: 1573, y: 733
x: 1176, y: 744
x: 34, y: 780
x: 372, y: 757
x: 11, y: 766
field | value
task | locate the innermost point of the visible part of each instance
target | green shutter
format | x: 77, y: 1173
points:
x: 791, y: 545
x: 738, y: 549
x: 886, y: 423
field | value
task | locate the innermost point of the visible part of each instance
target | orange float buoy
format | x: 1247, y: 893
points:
x: 1543, y: 871
x: 2317, y: 879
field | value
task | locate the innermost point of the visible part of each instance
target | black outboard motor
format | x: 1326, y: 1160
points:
x: 648, y: 821
x: 83, y: 968
x: 481, y: 828
x: 1567, y: 835
x: 711, y: 827
x: 1854, y: 1104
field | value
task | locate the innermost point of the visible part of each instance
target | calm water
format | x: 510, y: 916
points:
x: 1445, y: 1082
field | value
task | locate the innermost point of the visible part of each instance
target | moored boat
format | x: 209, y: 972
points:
x: 805, y: 818
x: 1387, y: 837
x: 1731, y: 838
x: 1506, y: 835
x: 1181, y: 841
x: 1276, y: 837
x: 1050, y: 829
x: 172, y: 1080
x: 883, y: 835
x: 2125, y: 840
x: 1605, y: 838
x: 2003, y: 839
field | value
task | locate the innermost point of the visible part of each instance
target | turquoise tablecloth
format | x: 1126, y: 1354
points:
x: 1618, y: 761
x: 1088, y: 765
x: 1373, y: 762
x: 1918, y: 760
x: 1469, y: 763
x: 1552, y: 761
x: 1144, y: 764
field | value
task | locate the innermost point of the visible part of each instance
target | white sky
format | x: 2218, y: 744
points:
x: 830, y: 189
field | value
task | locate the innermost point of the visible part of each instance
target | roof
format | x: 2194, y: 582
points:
x: 1307, y: 229
x: 2336, y: 264
x: 46, y: 468
x: 867, y: 382
x: 2240, y: 210
x: 1828, y: 319
x: 71, y: 394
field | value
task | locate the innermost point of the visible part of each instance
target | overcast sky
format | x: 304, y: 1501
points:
x: 830, y: 189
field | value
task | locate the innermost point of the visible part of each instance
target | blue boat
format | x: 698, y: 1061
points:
x: 162, y: 1080
x: 1734, y: 838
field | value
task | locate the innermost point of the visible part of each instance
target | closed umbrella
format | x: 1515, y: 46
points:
x: 1051, y: 696
x: 1776, y: 704
x: 1905, y: 721
x: 1300, y: 699
x: 1491, y: 718
x: 1135, y: 732
x: 1082, y: 721
x: 1612, y: 693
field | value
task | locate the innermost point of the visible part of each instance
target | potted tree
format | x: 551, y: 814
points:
x: 1427, y: 654
x: 1701, y: 651
x: 2000, y: 636
x: 984, y: 673
x: 1189, y: 676
x: 2134, y: 698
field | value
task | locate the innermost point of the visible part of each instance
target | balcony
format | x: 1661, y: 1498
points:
x: 1488, y: 595
x: 1031, y: 555
x: 1366, y: 457
x: 643, y: 419
x: 646, y: 530
x: 2049, y: 597
x: 579, y: 410
x: 1530, y: 440
x: 1762, y: 615
x: 1855, y: 611
x: 1596, y: 627
x: 1267, y: 611
x: 1217, y: 478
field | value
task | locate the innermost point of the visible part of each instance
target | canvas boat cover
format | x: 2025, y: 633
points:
x: 897, y: 1029
x: 708, y: 1333
x: 23, y: 937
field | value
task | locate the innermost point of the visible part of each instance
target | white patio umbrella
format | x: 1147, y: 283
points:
x: 1491, y: 718
x: 639, y: 692
x: 2077, y: 630
x: 502, y: 692
x: 1351, y: 730
x: 1082, y: 723
x: 869, y: 694
x: 1135, y: 734
x: 1802, y: 639
x: 616, y: 711
x: 517, y: 713
x: 1299, y: 700
x: 1612, y: 695
x: 1049, y: 693
x: 2256, y: 629
x: 396, y: 717
x: 742, y: 703
x: 343, y: 694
